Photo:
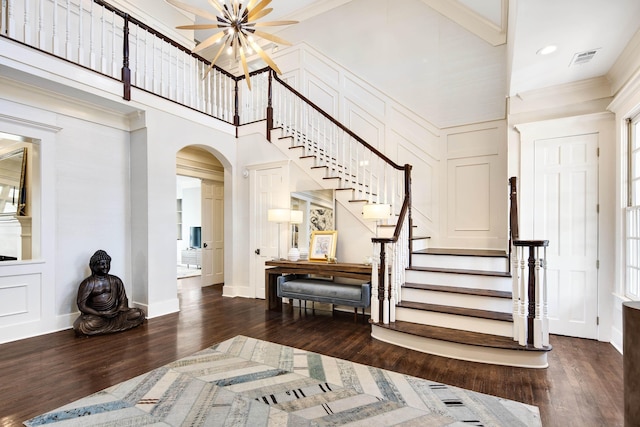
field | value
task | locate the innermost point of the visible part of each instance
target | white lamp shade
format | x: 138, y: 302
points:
x: 278, y: 215
x: 376, y: 211
x: 296, y: 217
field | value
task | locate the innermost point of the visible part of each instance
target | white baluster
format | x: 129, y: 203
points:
x: 515, y: 291
x: 11, y: 20
x: 385, y: 301
x: 537, y: 321
x: 103, y: 59
x: 393, y: 294
x: 80, y: 34
x: 26, y: 28
x: 67, y: 35
x: 92, y: 52
x: 41, y: 30
x: 545, y: 305
x: 54, y: 36
x: 522, y: 301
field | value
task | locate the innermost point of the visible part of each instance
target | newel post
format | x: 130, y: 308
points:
x: 270, y: 105
x: 126, y: 72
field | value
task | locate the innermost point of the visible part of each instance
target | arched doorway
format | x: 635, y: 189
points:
x: 200, y: 217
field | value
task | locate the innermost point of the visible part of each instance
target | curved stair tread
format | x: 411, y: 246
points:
x: 460, y: 290
x: 461, y: 271
x: 461, y: 311
x: 459, y: 336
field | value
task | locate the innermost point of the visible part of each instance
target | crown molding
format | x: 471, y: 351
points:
x: 472, y: 21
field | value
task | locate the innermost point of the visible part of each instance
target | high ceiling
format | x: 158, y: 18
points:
x: 434, y: 61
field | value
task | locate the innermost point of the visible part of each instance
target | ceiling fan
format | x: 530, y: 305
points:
x: 239, y: 29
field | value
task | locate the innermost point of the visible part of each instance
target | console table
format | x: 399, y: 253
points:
x: 340, y: 269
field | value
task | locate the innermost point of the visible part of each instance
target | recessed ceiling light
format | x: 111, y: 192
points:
x: 547, y: 50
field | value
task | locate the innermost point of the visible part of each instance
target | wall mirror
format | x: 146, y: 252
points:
x: 318, y: 214
x: 13, y: 165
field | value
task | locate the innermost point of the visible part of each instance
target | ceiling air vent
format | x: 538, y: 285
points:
x: 583, y: 57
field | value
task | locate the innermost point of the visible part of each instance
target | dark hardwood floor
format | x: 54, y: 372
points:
x: 583, y: 385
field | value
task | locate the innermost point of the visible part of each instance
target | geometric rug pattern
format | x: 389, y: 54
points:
x: 248, y: 382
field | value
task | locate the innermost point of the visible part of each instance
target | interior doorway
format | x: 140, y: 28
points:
x: 189, y: 227
x: 199, y: 217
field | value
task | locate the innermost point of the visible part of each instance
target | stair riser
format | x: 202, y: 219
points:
x: 467, y: 262
x: 453, y: 321
x: 419, y: 245
x: 462, y: 280
x: 458, y: 300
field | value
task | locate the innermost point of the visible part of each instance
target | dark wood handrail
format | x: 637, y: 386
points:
x: 337, y: 123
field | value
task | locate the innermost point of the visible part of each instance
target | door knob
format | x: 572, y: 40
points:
x: 205, y: 245
x: 257, y: 251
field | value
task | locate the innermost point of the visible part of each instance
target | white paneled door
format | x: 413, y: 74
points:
x: 565, y: 209
x: 212, y: 232
x: 269, y: 189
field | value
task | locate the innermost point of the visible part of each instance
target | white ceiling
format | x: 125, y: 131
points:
x: 436, y: 66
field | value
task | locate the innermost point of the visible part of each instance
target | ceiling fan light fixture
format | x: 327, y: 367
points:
x: 238, y: 23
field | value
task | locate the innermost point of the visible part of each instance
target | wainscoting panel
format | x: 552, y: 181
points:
x: 322, y: 94
x: 470, y: 185
x: 19, y: 299
x: 364, y: 125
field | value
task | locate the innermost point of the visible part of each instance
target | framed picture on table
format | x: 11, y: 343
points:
x: 323, y: 245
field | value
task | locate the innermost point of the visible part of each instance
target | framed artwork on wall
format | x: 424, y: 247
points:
x: 323, y: 245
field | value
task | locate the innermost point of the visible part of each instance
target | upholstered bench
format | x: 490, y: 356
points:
x: 303, y: 288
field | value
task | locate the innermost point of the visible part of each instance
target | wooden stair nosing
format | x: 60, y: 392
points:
x: 464, y: 252
x: 459, y: 336
x: 461, y: 271
x: 459, y: 311
x: 460, y: 290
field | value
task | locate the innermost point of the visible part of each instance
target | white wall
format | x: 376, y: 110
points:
x: 441, y: 71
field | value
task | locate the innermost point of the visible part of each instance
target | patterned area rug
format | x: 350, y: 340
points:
x: 249, y: 382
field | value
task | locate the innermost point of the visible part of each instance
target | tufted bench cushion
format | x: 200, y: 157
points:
x: 303, y: 288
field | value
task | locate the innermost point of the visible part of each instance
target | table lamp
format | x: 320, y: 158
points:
x: 279, y: 216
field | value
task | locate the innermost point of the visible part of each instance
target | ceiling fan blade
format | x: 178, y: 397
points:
x: 258, y: 8
x: 261, y: 14
x: 235, y: 8
x: 198, y: 27
x: 194, y: 10
x: 245, y: 68
x: 265, y: 57
x: 251, y: 4
x: 274, y: 23
x: 271, y: 37
x: 213, y: 61
x: 209, y: 41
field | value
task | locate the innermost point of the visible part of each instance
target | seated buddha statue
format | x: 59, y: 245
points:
x: 102, y: 301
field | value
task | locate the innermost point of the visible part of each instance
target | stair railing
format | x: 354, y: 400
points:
x: 357, y: 165
x: 388, y: 269
x: 529, y: 290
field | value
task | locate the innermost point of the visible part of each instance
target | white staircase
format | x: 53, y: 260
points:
x: 453, y: 303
